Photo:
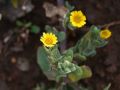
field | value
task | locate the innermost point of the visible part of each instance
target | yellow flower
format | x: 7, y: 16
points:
x: 77, y: 19
x: 105, y: 34
x: 49, y: 39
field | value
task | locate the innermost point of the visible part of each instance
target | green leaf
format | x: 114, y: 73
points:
x: 27, y: 25
x: 80, y: 73
x: 49, y: 28
x: 55, y: 54
x: 86, y: 72
x: 75, y: 75
x: 44, y: 64
x: 42, y: 59
x: 19, y: 23
x: 68, y: 55
x: 80, y: 57
x: 66, y: 20
x: 61, y: 36
x: 89, y: 42
x: 107, y: 87
x: 95, y: 34
x: 100, y: 43
x: 70, y: 26
x: 35, y: 29
x: 90, y: 51
x: 65, y: 67
x: 67, y: 5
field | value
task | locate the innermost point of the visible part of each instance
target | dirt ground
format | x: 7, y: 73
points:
x: 19, y: 51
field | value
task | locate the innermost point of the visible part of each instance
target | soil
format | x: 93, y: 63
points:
x: 16, y: 50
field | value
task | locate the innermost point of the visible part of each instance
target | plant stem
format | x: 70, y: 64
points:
x: 110, y: 24
x: 60, y: 85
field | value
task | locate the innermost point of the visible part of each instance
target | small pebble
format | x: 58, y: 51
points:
x: 23, y: 64
x: 13, y: 60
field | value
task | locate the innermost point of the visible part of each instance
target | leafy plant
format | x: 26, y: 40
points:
x: 57, y: 65
x: 28, y: 25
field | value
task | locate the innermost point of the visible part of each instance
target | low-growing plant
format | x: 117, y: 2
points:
x: 28, y: 26
x: 61, y: 66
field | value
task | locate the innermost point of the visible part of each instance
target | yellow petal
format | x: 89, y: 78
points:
x: 49, y: 39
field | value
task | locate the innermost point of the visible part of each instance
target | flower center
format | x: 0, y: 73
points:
x: 49, y: 41
x: 105, y: 33
x: 77, y: 19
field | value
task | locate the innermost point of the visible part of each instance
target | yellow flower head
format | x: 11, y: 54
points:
x: 77, y: 19
x: 105, y: 34
x: 49, y: 39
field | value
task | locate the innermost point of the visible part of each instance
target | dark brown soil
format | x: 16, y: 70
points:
x: 105, y: 65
